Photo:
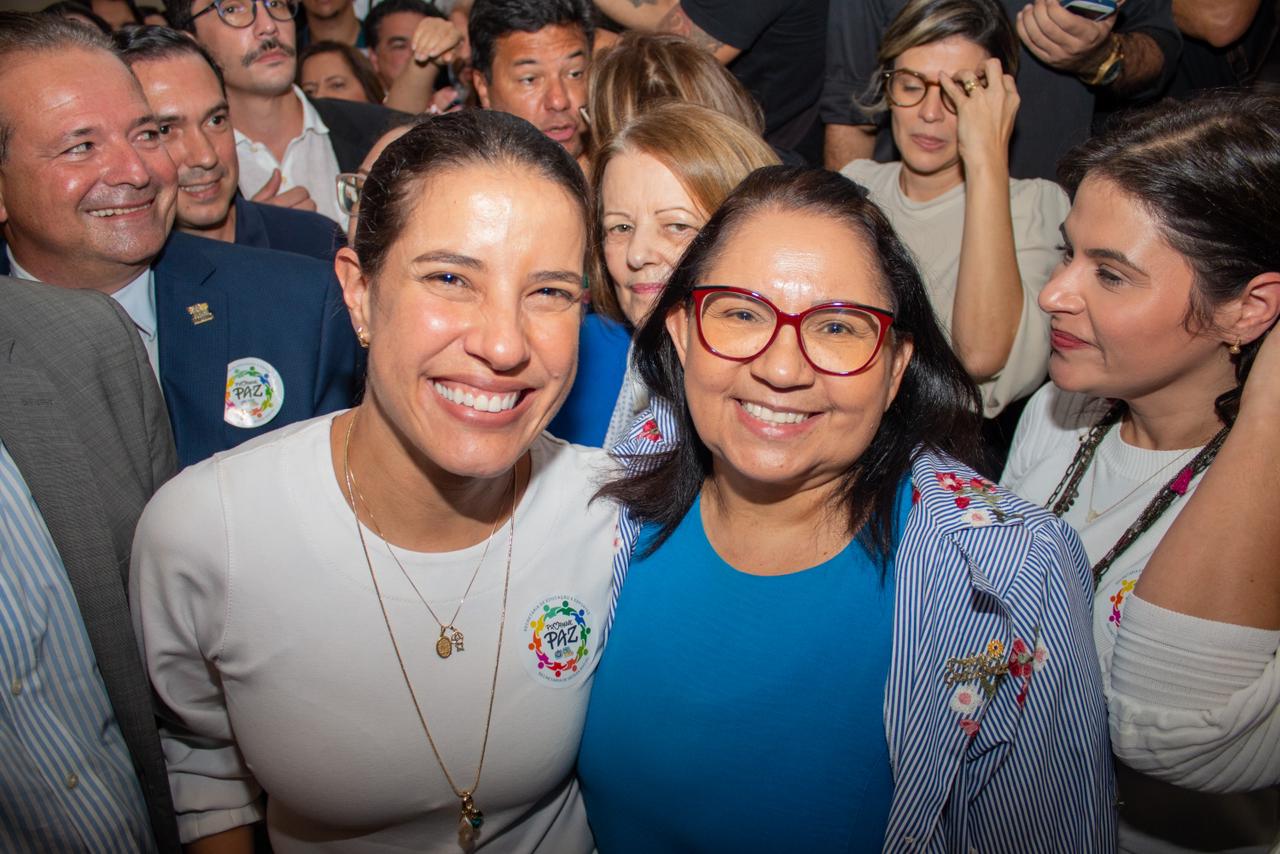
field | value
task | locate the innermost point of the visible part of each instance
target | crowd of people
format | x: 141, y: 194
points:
x: 679, y: 425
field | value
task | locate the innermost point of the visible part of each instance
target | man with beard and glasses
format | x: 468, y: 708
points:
x: 185, y: 90
x: 243, y: 340
x: 285, y: 141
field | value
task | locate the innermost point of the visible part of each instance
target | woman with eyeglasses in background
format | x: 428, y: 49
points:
x: 986, y: 244
x: 835, y: 635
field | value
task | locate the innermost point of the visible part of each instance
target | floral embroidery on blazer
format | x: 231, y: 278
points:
x: 993, y: 706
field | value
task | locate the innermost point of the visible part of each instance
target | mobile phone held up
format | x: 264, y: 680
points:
x: 1094, y: 10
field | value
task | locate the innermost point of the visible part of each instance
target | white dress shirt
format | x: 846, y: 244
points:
x: 309, y: 161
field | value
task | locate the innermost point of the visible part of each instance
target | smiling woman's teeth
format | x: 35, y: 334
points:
x: 766, y: 414
x: 478, y: 402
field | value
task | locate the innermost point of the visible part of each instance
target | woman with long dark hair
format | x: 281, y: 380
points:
x: 387, y: 619
x: 836, y: 635
x: 1168, y: 285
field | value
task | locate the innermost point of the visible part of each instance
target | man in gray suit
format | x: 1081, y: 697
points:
x: 84, y: 442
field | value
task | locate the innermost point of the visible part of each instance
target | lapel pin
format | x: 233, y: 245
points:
x: 199, y: 313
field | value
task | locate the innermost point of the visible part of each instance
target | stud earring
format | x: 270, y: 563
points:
x: 1234, y: 349
x: 362, y: 337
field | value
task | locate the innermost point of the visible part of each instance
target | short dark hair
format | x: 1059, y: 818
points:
x: 1208, y: 171
x: 453, y: 141
x: 936, y: 407
x: 373, y: 21
x: 146, y: 42
x: 490, y: 20
x: 24, y: 32
x: 359, y: 64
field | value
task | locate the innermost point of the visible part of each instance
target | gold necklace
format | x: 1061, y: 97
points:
x: 1091, y: 514
x: 450, y: 636
x: 470, y: 818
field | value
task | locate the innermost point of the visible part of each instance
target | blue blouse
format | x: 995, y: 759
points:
x: 736, y: 712
x: 602, y: 363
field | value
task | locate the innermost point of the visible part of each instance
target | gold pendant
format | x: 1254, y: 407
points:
x: 1090, y: 516
x: 470, y: 812
x: 450, y: 640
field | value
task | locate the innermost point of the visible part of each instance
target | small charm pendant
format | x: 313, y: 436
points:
x: 1090, y: 516
x: 470, y: 812
x: 450, y: 640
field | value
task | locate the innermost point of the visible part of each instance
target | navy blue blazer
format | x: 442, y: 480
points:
x: 277, y: 307
x: 287, y: 230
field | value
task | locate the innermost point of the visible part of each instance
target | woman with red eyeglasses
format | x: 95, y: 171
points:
x: 985, y: 243
x: 834, y: 634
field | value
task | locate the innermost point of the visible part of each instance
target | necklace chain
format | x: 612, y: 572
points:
x: 449, y: 641
x: 470, y: 818
x: 1092, y: 514
x: 1068, y: 489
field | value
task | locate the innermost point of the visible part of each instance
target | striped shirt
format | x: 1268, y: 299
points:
x: 66, y: 779
x: 993, y: 710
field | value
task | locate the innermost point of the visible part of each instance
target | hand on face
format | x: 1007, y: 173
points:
x: 1062, y: 39
x: 985, y: 112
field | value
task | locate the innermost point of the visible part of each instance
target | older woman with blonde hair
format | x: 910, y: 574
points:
x: 657, y: 180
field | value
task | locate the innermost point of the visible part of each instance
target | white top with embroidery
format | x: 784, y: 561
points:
x: 262, y: 633
x: 1173, y: 682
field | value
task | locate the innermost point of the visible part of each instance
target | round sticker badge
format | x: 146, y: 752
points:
x: 560, y: 629
x: 255, y: 393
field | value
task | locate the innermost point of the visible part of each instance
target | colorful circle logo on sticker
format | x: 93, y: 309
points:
x: 255, y: 393
x: 560, y: 637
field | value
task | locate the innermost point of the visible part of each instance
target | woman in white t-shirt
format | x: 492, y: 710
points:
x: 985, y: 243
x: 1169, y: 283
x: 387, y: 620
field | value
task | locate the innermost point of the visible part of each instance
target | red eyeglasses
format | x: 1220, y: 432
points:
x: 837, y: 338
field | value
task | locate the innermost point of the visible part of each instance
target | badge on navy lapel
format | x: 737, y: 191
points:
x: 255, y: 393
x: 199, y: 313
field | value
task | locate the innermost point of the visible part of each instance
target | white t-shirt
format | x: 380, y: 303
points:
x: 1174, y: 683
x: 262, y: 633
x: 934, y: 230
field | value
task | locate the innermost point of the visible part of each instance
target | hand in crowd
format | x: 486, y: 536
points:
x: 295, y: 197
x: 1062, y: 39
x: 435, y: 40
x: 984, y: 114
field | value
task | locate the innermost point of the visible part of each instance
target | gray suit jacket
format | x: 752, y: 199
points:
x: 82, y: 416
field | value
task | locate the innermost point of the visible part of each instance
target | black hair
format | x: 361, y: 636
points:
x: 23, y: 32
x: 1208, y: 171
x: 936, y: 407
x: 373, y: 21
x: 144, y: 42
x: 359, y: 64
x: 179, y: 14
x: 490, y: 20
x: 447, y: 142
x: 68, y: 8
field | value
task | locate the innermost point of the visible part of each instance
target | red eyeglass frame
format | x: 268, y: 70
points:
x: 782, y: 318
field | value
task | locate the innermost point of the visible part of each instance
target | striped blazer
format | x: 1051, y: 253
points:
x: 993, y: 709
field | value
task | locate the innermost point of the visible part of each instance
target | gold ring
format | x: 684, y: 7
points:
x: 969, y: 86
